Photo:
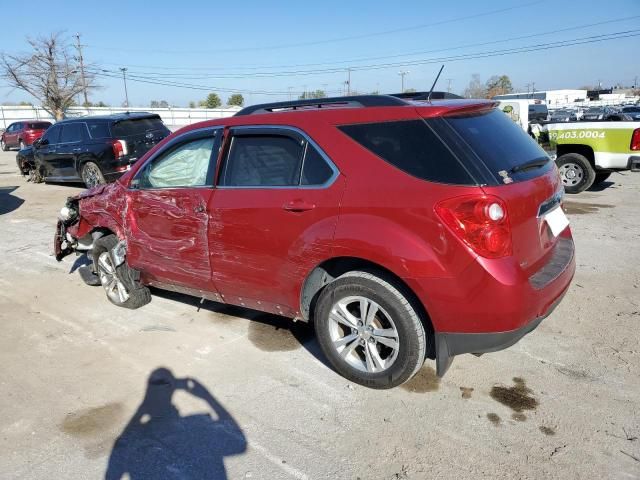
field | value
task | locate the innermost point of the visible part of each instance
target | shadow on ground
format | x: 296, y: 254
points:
x: 158, y: 442
x: 267, y: 331
x: 600, y: 186
x: 8, y: 202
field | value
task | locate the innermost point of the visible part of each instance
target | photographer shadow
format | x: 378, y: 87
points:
x: 160, y: 443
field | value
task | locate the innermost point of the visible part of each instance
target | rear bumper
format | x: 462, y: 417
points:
x: 493, y: 304
x: 634, y: 164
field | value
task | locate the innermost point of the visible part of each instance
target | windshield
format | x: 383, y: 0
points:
x: 500, y: 143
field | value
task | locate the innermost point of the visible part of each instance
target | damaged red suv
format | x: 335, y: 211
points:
x: 403, y: 230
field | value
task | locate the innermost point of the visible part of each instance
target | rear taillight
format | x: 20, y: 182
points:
x: 480, y: 221
x: 635, y: 140
x: 119, y: 148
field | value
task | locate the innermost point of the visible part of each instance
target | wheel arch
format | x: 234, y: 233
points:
x: 584, y: 150
x: 330, y: 269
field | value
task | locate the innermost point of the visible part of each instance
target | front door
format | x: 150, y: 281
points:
x: 63, y: 160
x: 272, y: 218
x: 167, y: 217
x: 45, y: 150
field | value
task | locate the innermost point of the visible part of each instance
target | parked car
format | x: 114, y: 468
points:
x: 22, y: 134
x: 596, y: 113
x: 538, y: 112
x: 563, y: 115
x: 633, y: 112
x: 93, y: 150
x: 403, y: 230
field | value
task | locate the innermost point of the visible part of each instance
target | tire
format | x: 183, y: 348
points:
x: 397, y: 322
x: 3, y: 146
x: 121, y: 283
x: 576, y: 172
x: 601, y: 177
x: 92, y: 175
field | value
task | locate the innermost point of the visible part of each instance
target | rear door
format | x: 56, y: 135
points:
x: 63, y: 161
x: 273, y: 216
x: 11, y: 135
x: 167, y: 213
x: 140, y: 134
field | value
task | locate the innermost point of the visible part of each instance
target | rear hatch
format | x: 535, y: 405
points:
x: 139, y: 133
x: 510, y: 165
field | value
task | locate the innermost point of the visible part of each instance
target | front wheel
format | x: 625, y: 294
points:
x: 369, y: 331
x: 119, y: 281
x: 3, y: 146
x: 92, y: 175
x: 576, y: 172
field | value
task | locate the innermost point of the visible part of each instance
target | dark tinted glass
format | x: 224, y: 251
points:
x: 99, y: 129
x: 137, y: 126
x: 499, y: 142
x: 315, y: 171
x: 52, y: 134
x: 412, y: 147
x: 39, y: 125
x: 72, y: 132
x: 263, y: 161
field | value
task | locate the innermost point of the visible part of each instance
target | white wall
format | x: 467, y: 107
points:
x: 172, y: 117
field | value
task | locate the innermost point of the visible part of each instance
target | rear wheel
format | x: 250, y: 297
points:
x: 119, y: 282
x: 369, y: 331
x: 92, y: 175
x: 3, y: 146
x: 601, y: 177
x: 576, y: 172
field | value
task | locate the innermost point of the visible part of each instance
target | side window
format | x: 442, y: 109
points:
x: 52, y: 134
x: 73, y: 133
x: 315, y: 170
x: 262, y: 161
x: 185, y: 165
x: 99, y: 129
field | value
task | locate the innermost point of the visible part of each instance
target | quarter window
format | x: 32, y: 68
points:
x: 183, y: 166
x: 263, y: 161
x: 99, y: 129
x: 315, y: 171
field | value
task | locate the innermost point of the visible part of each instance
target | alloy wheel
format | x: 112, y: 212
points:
x: 115, y: 289
x: 91, y: 175
x: 571, y: 174
x: 363, y: 334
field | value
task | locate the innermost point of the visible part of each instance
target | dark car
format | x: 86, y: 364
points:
x: 597, y: 113
x: 22, y: 134
x: 93, y: 150
x: 563, y: 116
x: 538, y: 112
x: 403, y: 230
x: 633, y: 112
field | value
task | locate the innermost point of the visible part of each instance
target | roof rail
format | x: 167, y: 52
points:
x: 350, y: 101
x: 425, y: 95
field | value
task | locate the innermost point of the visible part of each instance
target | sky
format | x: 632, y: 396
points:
x: 269, y: 51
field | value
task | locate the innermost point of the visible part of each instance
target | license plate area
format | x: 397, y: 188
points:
x: 556, y: 220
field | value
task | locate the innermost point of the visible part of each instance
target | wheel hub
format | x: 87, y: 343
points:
x: 571, y: 174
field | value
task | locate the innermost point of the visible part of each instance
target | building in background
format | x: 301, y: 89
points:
x: 549, y: 97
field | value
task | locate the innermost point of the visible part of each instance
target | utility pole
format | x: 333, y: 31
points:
x: 635, y: 82
x: 289, y: 88
x: 124, y: 79
x: 84, y: 80
x: 348, y: 82
x: 402, y: 73
x: 533, y: 89
x: 449, y: 80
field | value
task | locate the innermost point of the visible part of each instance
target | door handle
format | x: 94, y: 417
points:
x: 77, y: 149
x: 298, y: 206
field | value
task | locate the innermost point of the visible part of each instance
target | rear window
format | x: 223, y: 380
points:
x: 38, y: 125
x: 413, y: 147
x: 499, y: 142
x: 137, y: 126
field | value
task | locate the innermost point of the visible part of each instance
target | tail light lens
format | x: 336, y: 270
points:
x: 119, y: 148
x: 480, y: 221
x: 635, y: 140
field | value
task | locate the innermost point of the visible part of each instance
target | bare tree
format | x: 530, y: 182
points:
x: 475, y: 89
x: 49, y: 73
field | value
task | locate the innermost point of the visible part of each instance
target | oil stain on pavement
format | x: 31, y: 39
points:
x: 466, y: 392
x: 580, y: 208
x: 518, y: 398
x: 92, y: 421
x: 547, y: 430
x: 424, y: 381
x: 494, y: 419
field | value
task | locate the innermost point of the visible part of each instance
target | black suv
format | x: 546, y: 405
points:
x: 93, y: 150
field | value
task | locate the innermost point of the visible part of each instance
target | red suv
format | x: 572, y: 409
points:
x: 22, y: 134
x: 403, y: 230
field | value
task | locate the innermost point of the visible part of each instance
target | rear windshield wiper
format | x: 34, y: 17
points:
x: 535, y: 163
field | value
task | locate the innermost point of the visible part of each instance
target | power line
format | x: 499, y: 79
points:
x: 378, y: 66
x: 381, y: 57
x: 494, y: 53
x: 333, y: 40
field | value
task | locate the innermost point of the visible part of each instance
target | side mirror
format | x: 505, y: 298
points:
x: 41, y: 142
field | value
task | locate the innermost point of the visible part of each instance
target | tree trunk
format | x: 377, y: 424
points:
x: 59, y: 114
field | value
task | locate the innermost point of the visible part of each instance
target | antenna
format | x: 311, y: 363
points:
x: 434, y: 83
